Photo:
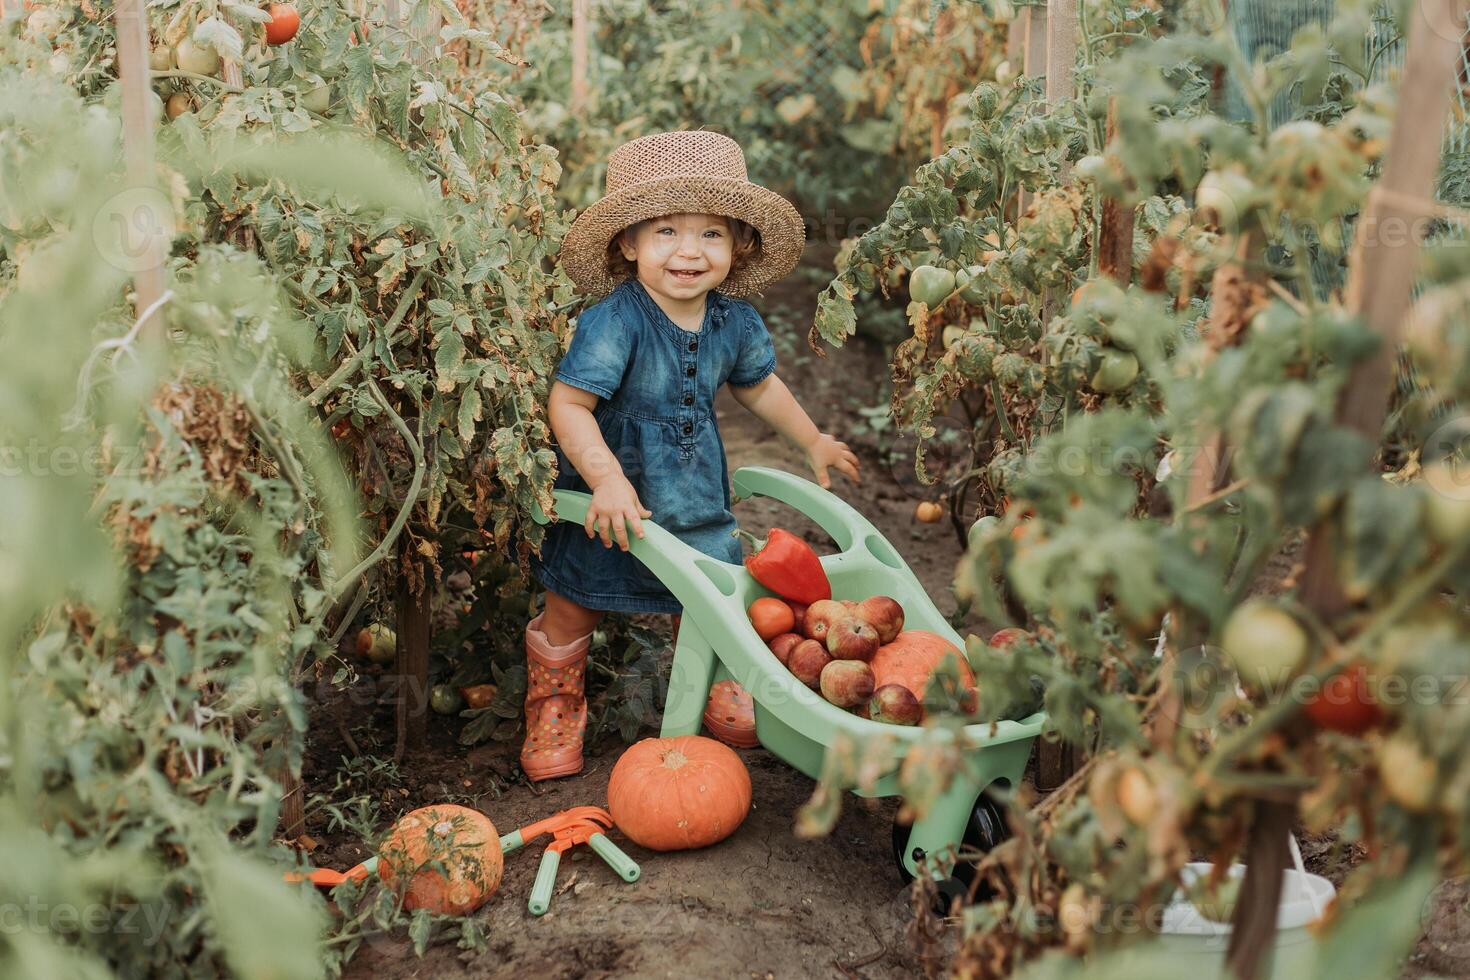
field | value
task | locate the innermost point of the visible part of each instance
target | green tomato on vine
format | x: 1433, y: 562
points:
x: 931, y: 285
x: 1116, y: 371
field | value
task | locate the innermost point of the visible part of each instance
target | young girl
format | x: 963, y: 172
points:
x: 679, y: 234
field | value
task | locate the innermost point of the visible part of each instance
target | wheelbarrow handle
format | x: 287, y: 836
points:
x: 545, y: 880
x: 685, y: 571
x: 625, y: 866
x: 831, y: 513
x: 571, y: 507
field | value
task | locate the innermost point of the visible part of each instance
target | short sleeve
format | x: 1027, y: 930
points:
x: 757, y: 358
x: 599, y: 353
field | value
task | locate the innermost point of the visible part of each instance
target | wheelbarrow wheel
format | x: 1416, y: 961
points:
x: 985, y: 829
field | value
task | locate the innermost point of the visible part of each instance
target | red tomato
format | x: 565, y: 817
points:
x: 1345, y: 704
x: 1007, y: 638
x: 283, y: 24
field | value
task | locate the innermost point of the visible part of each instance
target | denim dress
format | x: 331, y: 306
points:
x: 656, y: 383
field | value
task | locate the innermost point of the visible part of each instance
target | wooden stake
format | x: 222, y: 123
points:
x: 581, y: 15
x: 137, y: 137
x: 1115, y: 236
x: 411, y: 667
x: 1034, y: 62
x: 1061, y: 48
x: 1034, y: 21
x: 293, y: 806
x: 1016, y: 36
x: 230, y: 69
x: 1381, y: 276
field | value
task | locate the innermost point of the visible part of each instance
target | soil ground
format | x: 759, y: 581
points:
x: 763, y: 903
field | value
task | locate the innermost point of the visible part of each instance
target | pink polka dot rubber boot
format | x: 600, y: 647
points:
x: 730, y: 715
x: 556, y: 710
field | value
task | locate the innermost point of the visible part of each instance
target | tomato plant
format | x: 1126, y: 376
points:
x: 1167, y: 431
x: 352, y: 379
x: 961, y: 226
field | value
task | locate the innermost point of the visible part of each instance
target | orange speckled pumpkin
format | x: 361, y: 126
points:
x: 912, y: 657
x: 673, y: 794
x: 448, y: 856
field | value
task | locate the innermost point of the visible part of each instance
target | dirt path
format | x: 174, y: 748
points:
x: 759, y: 904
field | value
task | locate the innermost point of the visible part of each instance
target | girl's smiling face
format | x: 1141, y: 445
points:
x: 680, y: 256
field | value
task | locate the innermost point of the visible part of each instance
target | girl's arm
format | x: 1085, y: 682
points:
x: 772, y: 402
x: 615, y: 504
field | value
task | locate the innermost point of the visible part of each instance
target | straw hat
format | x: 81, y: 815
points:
x: 683, y: 173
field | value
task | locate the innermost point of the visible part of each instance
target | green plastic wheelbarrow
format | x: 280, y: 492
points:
x: 716, y: 642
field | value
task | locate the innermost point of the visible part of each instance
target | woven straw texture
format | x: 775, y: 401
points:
x: 689, y: 172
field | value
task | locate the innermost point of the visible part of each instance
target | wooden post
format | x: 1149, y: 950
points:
x: 137, y: 137
x: 1381, y: 274
x: 230, y: 70
x: 1061, y: 48
x: 1034, y: 56
x: 1051, y: 47
x: 411, y: 666
x: 1033, y: 19
x: 1115, y: 236
x: 1016, y: 36
x: 293, y: 805
x: 581, y: 15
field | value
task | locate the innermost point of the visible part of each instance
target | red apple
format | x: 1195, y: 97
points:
x: 849, y: 604
x: 807, y: 660
x: 1008, y: 637
x: 852, y: 639
x: 798, y: 609
x: 782, y: 646
x: 847, y: 683
x: 820, y: 616
x: 883, y: 614
x: 895, y: 704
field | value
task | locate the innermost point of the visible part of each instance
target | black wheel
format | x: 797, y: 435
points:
x: 985, y: 829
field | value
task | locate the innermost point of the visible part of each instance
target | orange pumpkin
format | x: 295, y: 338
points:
x: 445, y: 858
x: 674, y: 794
x: 912, y: 657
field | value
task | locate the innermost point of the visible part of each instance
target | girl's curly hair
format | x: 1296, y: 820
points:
x: 746, y: 249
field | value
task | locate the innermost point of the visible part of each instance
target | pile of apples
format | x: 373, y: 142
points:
x: 856, y: 654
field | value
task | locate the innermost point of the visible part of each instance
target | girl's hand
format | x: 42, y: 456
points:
x: 615, y: 506
x: 825, y: 451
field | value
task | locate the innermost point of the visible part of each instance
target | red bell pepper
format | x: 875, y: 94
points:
x: 787, y: 566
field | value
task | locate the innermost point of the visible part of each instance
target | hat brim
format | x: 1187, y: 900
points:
x: 782, y: 233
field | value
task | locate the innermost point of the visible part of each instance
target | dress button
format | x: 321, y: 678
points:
x: 688, y: 399
x: 688, y: 428
x: 689, y: 370
x: 694, y: 345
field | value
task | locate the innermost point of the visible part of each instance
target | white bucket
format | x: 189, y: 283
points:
x: 1201, y: 943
